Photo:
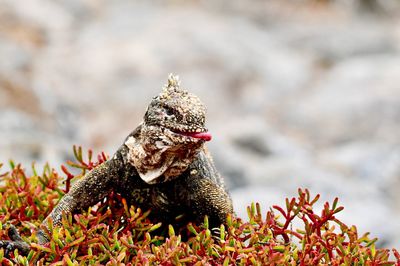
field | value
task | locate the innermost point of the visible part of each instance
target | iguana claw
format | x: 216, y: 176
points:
x: 16, y: 242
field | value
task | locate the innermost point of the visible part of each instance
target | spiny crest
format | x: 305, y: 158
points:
x: 172, y: 88
x: 173, y: 81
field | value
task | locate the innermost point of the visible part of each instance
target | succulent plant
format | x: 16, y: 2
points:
x: 113, y: 233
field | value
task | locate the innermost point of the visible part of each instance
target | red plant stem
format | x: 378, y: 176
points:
x: 280, y: 210
x: 69, y: 177
x: 299, y: 236
x: 288, y: 221
x: 30, y: 202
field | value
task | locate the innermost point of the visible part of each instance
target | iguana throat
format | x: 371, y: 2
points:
x: 149, y: 164
x: 157, y: 158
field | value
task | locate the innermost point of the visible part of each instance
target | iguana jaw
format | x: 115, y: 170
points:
x: 206, y: 136
x: 197, y: 132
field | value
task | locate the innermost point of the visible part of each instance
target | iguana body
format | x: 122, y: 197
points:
x: 162, y: 165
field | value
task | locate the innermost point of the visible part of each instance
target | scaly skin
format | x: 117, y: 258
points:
x: 163, y: 165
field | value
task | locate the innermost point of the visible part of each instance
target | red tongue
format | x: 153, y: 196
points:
x: 203, y: 135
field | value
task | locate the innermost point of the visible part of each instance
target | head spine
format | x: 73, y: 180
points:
x: 173, y: 81
x: 173, y: 88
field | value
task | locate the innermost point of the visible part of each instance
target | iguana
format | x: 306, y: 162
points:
x: 163, y: 165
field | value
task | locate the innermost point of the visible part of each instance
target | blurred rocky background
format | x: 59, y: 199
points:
x: 299, y: 93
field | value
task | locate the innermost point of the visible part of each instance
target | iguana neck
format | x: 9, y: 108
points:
x: 156, y: 158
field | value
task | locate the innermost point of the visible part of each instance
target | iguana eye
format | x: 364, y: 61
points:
x: 169, y: 110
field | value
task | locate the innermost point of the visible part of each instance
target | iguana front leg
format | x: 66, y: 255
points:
x: 208, y: 198
x: 205, y: 191
x: 92, y: 188
x: 89, y: 190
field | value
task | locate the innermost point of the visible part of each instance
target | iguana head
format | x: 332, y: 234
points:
x: 178, y: 111
x: 172, y: 133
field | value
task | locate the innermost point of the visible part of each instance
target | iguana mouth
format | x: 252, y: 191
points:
x: 197, y: 135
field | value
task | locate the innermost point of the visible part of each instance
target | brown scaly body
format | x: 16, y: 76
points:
x: 163, y: 165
